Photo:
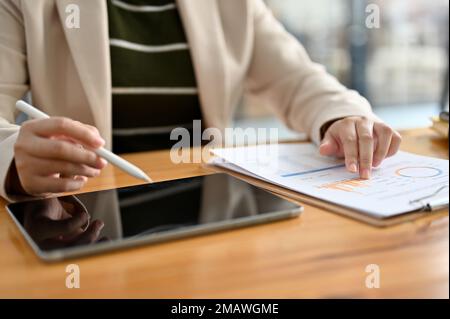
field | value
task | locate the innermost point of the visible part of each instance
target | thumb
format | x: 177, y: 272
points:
x: 328, y: 146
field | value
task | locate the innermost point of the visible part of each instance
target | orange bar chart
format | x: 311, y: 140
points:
x: 349, y: 186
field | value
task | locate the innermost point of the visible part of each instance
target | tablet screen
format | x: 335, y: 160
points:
x: 141, y: 211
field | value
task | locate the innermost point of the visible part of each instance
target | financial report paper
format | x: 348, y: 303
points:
x: 396, y: 187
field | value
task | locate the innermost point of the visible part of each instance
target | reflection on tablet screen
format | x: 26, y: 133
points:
x: 140, y: 211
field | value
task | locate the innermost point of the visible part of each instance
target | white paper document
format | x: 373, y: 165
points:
x: 400, y: 185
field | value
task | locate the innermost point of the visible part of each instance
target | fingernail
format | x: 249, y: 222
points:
x: 365, y: 173
x: 324, y: 144
x: 81, y: 178
x: 376, y: 163
x: 99, y: 141
x: 323, y: 148
x: 103, y: 161
x: 353, y: 168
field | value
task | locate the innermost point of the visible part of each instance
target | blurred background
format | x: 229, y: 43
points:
x: 401, y: 67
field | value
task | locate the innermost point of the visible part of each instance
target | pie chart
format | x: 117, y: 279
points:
x: 419, y: 172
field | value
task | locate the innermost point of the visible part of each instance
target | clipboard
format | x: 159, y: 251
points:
x: 430, y: 207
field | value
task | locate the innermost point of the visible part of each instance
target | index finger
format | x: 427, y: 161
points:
x: 63, y: 126
x: 364, y: 129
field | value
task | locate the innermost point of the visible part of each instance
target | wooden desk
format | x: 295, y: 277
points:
x: 317, y: 255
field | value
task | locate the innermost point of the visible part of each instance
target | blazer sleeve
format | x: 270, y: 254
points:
x: 301, y: 92
x: 13, y: 81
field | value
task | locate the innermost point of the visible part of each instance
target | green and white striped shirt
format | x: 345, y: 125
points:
x: 153, y: 80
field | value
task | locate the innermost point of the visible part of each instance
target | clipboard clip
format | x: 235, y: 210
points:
x: 435, y: 204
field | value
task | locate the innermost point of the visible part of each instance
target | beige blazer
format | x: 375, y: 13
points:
x: 236, y: 45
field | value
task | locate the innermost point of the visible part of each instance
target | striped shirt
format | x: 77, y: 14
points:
x: 153, y: 81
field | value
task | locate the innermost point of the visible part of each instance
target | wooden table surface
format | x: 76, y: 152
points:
x: 317, y: 255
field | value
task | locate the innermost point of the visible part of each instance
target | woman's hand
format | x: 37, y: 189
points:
x: 363, y: 142
x: 56, y: 155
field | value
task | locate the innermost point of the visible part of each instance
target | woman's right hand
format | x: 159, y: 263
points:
x: 56, y: 155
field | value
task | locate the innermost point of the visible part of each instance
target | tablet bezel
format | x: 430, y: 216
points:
x: 179, y: 233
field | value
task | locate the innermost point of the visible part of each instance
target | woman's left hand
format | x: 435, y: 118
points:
x: 363, y: 142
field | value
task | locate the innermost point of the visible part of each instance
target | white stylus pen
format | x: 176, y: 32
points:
x: 112, y: 158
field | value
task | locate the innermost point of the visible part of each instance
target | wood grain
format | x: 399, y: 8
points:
x: 318, y: 255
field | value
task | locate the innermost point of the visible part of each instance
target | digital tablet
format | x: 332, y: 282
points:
x: 71, y: 226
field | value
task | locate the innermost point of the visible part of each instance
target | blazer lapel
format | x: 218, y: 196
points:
x: 89, y: 46
x: 203, y: 28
